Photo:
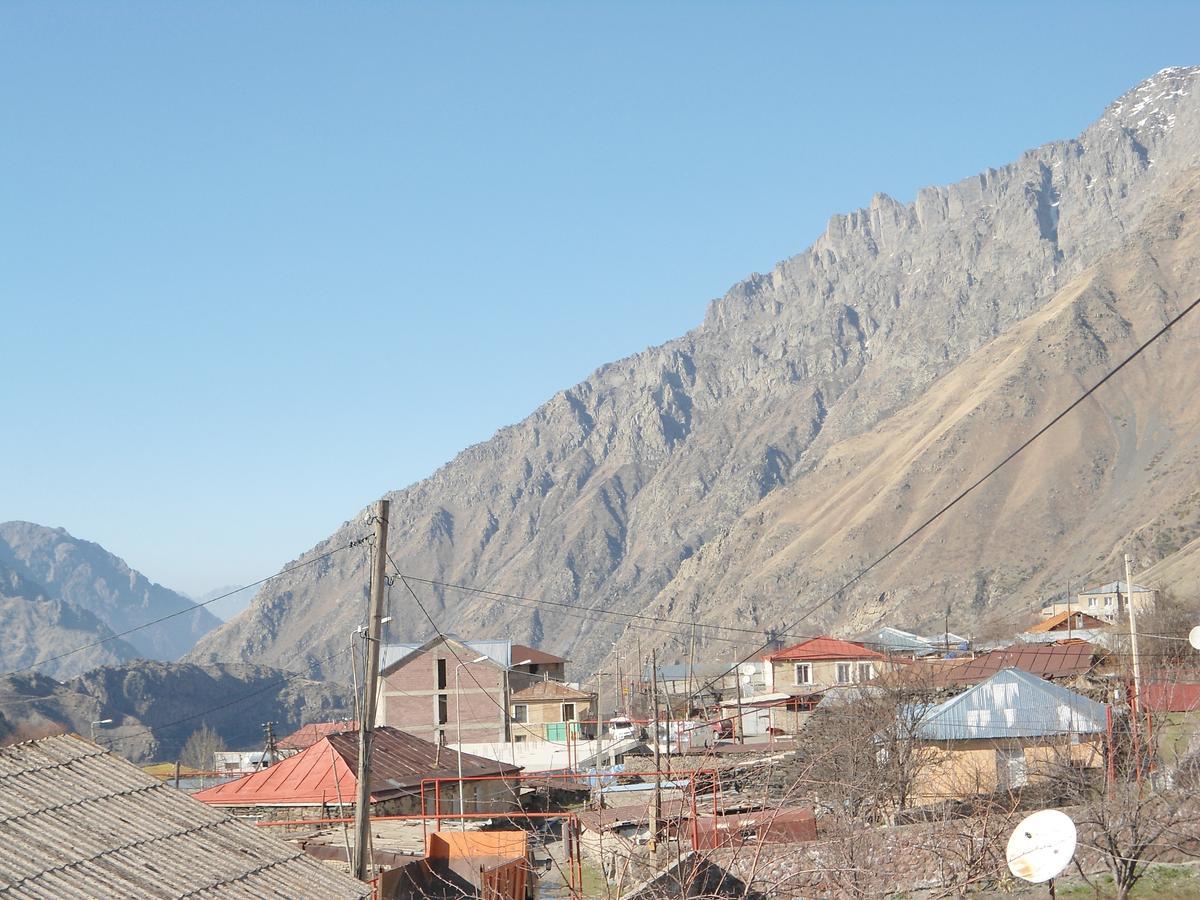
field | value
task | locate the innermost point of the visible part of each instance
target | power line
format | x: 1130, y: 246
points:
x: 182, y: 612
x: 262, y: 689
x: 992, y: 471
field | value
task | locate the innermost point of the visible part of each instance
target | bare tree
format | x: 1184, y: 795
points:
x: 200, y: 746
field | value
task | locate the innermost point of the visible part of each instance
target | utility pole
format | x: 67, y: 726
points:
x: 1133, y: 639
x: 366, y: 725
x: 656, y: 810
x: 738, y: 730
x: 270, y: 753
x: 691, y: 685
x: 641, y: 679
x: 1068, y: 609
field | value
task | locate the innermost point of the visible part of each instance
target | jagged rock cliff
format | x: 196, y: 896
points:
x: 735, y: 474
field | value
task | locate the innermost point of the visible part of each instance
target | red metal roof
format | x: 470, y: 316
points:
x: 1175, y: 697
x: 309, y: 734
x: 824, y: 648
x: 399, y: 762
x: 1044, y: 660
x: 519, y: 652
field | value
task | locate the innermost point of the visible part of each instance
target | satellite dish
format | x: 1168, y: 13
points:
x: 1194, y: 637
x: 1041, y: 846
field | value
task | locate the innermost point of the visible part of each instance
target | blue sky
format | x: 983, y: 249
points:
x: 261, y: 262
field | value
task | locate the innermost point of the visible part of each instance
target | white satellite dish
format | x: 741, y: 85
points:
x: 1041, y: 846
x: 1194, y: 637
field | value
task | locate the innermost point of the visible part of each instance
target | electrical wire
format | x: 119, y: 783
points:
x: 964, y: 493
x: 183, y: 612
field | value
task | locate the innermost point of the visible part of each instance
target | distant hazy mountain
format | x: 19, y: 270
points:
x: 740, y: 473
x: 228, y: 606
x: 156, y: 706
x: 101, y: 594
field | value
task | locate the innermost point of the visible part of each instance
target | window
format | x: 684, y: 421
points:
x: 843, y: 673
x: 866, y: 671
x: 520, y: 712
x: 803, y: 673
x: 441, y: 674
x: 568, y: 712
x: 1092, y: 602
x: 518, y: 738
x: 1108, y: 601
x: 443, y: 710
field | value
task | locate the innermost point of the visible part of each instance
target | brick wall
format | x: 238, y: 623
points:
x: 409, y: 698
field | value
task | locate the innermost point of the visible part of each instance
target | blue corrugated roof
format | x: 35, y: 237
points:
x: 1013, y: 703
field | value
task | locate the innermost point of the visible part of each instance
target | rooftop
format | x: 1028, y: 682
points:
x: 549, y: 690
x: 76, y: 821
x: 1044, y: 660
x: 1012, y: 703
x: 399, y: 762
x: 824, y: 648
x: 309, y: 734
x: 1059, y: 622
x: 1114, y: 586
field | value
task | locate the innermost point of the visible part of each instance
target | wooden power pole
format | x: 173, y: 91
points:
x: 656, y: 810
x: 362, y: 803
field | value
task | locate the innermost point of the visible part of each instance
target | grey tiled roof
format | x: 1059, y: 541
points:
x: 76, y: 821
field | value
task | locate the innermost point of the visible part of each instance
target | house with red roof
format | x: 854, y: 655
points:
x: 322, y: 780
x: 821, y: 662
x: 799, y: 673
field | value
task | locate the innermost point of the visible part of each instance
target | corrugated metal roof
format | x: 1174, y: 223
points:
x: 519, y: 652
x: 550, y: 690
x: 895, y: 640
x: 1043, y: 660
x: 309, y: 734
x: 399, y: 762
x: 1011, y: 704
x: 1178, y: 697
x: 825, y: 648
x: 76, y: 821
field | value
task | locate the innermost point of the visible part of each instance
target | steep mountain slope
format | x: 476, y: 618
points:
x: 156, y: 706
x: 623, y: 490
x: 34, y: 626
x: 1120, y: 474
x: 91, y: 579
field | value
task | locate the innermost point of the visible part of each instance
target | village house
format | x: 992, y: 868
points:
x: 799, y: 673
x: 817, y: 663
x: 550, y: 710
x: 80, y: 822
x: 1008, y: 731
x: 322, y: 780
x: 446, y: 687
x: 1108, y: 602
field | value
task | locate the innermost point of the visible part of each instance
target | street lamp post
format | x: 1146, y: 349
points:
x: 462, y: 822
x: 99, y: 722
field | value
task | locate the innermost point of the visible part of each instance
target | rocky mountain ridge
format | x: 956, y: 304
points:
x: 638, y: 488
x: 155, y: 706
x: 59, y: 592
